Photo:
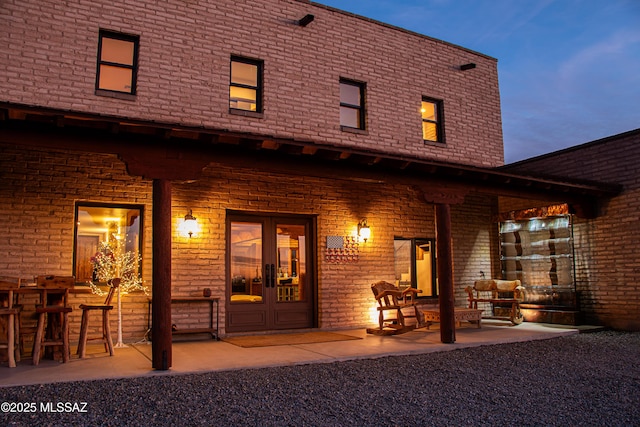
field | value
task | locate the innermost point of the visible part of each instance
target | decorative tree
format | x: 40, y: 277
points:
x: 111, y: 262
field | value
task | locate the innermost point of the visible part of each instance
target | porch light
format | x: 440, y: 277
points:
x: 364, y: 232
x: 189, y: 226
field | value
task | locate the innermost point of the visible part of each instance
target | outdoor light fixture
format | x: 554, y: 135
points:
x: 364, y: 232
x: 189, y: 226
x: 306, y: 20
x: 469, y: 66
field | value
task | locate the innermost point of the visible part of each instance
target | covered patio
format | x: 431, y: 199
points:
x: 165, y: 154
x: 196, y: 356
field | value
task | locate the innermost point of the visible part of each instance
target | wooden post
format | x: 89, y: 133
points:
x: 445, y: 273
x: 161, y: 300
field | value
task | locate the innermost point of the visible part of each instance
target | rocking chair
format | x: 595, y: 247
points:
x: 392, y: 299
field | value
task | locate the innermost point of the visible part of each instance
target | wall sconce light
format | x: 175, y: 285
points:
x: 189, y: 226
x: 364, y: 232
x: 469, y: 66
x: 306, y: 20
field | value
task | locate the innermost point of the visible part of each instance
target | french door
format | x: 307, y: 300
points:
x: 270, y: 272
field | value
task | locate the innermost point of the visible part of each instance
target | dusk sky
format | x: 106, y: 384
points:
x: 569, y: 70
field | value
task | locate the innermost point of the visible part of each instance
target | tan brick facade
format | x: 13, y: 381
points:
x: 40, y: 189
x: 48, y: 55
x: 607, y: 253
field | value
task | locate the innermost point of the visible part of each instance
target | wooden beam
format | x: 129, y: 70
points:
x: 445, y: 273
x: 161, y: 299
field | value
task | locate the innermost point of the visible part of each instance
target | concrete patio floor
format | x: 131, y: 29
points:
x: 210, y: 355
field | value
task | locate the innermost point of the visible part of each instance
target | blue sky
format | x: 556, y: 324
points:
x: 569, y: 70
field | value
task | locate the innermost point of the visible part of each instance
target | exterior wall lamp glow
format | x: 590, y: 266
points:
x: 189, y: 226
x: 364, y: 232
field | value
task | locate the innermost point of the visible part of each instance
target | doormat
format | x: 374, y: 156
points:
x: 287, y: 339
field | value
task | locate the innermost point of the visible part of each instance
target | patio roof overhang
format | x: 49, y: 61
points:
x: 180, y: 152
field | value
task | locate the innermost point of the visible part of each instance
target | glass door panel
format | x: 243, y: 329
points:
x: 291, y: 262
x: 270, y: 272
x: 425, y: 268
x: 245, y: 264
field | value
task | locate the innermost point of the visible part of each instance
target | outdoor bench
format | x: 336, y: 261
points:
x: 498, y: 293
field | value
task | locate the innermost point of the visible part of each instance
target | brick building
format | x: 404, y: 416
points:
x: 606, y: 251
x: 281, y: 129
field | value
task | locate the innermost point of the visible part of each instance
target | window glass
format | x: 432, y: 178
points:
x: 351, y: 104
x: 349, y: 117
x: 242, y: 98
x: 428, y: 111
x: 245, y: 85
x: 415, y: 265
x: 117, y: 56
x: 350, y: 94
x: 431, y: 120
x: 429, y: 131
x: 118, y: 51
x: 243, y: 73
x: 114, y: 78
x: 118, y: 227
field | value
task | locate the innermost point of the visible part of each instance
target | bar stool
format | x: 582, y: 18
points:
x: 106, y: 328
x: 7, y: 286
x: 53, y: 312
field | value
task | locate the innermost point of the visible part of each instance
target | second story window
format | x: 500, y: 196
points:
x: 245, y: 87
x: 352, y: 104
x: 117, y: 62
x: 431, y: 111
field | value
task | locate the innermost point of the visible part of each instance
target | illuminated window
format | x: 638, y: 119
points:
x: 117, y: 62
x: 118, y: 227
x: 245, y: 87
x: 415, y: 265
x: 352, y: 104
x: 431, y: 111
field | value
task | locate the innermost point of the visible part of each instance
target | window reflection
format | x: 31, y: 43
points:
x: 114, y: 225
x: 291, y: 262
x: 246, y: 262
x: 415, y: 265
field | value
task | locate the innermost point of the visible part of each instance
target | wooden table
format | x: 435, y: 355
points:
x: 213, y: 330
x: 460, y: 314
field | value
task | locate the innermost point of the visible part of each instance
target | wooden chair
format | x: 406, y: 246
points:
x: 106, y: 328
x: 11, y: 313
x: 54, y: 312
x: 392, y: 300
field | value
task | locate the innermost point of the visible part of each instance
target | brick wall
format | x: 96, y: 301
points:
x: 607, y: 253
x: 48, y: 55
x: 39, y: 188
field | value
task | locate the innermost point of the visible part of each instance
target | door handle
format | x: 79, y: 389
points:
x: 273, y: 275
x: 267, y: 275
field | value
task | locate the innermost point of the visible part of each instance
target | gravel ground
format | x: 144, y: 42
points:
x: 586, y: 379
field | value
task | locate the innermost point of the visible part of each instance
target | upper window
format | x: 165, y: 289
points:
x: 432, y: 120
x: 117, y: 62
x: 245, y: 88
x: 352, y: 104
